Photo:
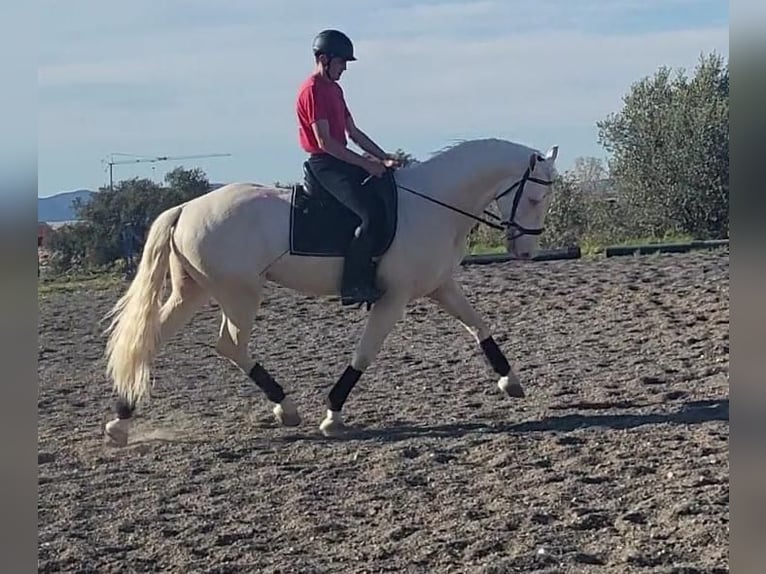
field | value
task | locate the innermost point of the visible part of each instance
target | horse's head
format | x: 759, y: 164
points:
x: 523, y: 204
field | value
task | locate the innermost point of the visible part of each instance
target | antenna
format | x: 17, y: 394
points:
x: 111, y: 163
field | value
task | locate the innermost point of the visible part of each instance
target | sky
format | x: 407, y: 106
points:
x: 189, y: 77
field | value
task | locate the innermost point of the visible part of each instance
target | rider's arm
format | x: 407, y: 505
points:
x: 363, y: 140
x: 333, y: 147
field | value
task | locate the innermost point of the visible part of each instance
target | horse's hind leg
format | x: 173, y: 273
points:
x: 452, y: 299
x: 233, y: 339
x: 185, y: 299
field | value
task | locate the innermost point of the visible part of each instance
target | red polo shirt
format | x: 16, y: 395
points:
x: 318, y: 99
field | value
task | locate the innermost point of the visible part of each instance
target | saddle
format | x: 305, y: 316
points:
x: 321, y: 226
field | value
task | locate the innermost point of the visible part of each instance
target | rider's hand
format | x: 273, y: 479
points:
x: 375, y: 168
x: 392, y: 160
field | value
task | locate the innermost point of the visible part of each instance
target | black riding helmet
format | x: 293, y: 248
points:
x: 333, y: 43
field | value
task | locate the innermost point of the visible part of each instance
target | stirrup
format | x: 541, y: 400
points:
x: 356, y: 303
x: 356, y: 298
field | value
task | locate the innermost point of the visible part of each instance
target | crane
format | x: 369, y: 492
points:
x: 138, y: 159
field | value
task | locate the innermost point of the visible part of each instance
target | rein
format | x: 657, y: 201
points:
x: 503, y: 225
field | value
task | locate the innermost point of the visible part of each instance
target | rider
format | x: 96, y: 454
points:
x: 324, y: 122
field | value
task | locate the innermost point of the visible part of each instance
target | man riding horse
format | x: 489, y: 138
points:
x: 325, y: 126
x: 228, y: 243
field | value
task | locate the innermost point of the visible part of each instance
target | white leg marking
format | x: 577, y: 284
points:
x: 287, y: 413
x: 332, y: 425
x: 117, y: 432
x: 511, y: 386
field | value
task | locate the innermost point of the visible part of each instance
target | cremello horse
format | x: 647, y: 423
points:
x: 228, y: 243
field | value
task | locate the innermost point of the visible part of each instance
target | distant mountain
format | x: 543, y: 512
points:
x: 59, y: 207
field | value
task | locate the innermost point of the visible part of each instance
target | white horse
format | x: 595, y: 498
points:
x: 226, y: 244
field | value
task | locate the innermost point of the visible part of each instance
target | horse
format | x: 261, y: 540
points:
x: 227, y: 243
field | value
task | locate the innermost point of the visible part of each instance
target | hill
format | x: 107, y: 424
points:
x: 59, y: 207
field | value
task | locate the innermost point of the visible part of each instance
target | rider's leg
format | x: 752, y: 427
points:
x: 342, y: 180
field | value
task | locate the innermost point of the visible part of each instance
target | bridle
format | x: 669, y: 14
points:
x: 504, y: 225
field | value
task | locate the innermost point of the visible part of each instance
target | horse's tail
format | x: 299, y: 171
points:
x: 134, y: 332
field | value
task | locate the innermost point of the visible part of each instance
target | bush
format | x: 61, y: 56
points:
x: 68, y: 246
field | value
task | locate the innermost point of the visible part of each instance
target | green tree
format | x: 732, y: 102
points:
x: 670, y: 151
x: 590, y: 174
x: 567, y: 220
x: 134, y: 202
x: 189, y: 183
x: 126, y: 211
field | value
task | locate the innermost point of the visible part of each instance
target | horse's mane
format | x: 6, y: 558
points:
x: 448, y: 147
x: 486, y: 144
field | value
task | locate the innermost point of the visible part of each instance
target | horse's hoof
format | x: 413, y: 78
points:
x: 287, y: 413
x: 332, y: 426
x: 511, y: 386
x: 116, y: 433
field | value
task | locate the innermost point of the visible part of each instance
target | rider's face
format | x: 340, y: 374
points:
x: 336, y: 68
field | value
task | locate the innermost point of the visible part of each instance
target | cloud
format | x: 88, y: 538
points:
x: 561, y: 77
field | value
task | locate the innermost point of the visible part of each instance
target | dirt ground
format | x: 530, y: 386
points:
x: 617, y: 460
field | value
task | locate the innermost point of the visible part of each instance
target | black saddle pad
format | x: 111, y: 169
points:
x: 321, y: 226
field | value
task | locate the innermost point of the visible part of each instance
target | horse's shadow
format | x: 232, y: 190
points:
x: 690, y: 413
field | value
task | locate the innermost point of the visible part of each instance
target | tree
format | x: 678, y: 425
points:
x: 189, y: 183
x: 670, y: 150
x: 589, y: 173
x: 567, y: 219
x: 110, y: 216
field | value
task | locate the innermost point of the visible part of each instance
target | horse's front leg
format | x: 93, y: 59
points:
x: 383, y: 316
x: 452, y: 299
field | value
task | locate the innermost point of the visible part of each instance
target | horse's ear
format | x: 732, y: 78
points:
x: 552, y: 153
x: 532, y: 161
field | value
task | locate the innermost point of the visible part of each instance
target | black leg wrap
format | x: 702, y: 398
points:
x: 495, y: 356
x: 341, y: 389
x: 267, y: 384
x: 123, y: 409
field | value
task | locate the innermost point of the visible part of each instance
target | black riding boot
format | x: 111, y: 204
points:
x: 358, y: 283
